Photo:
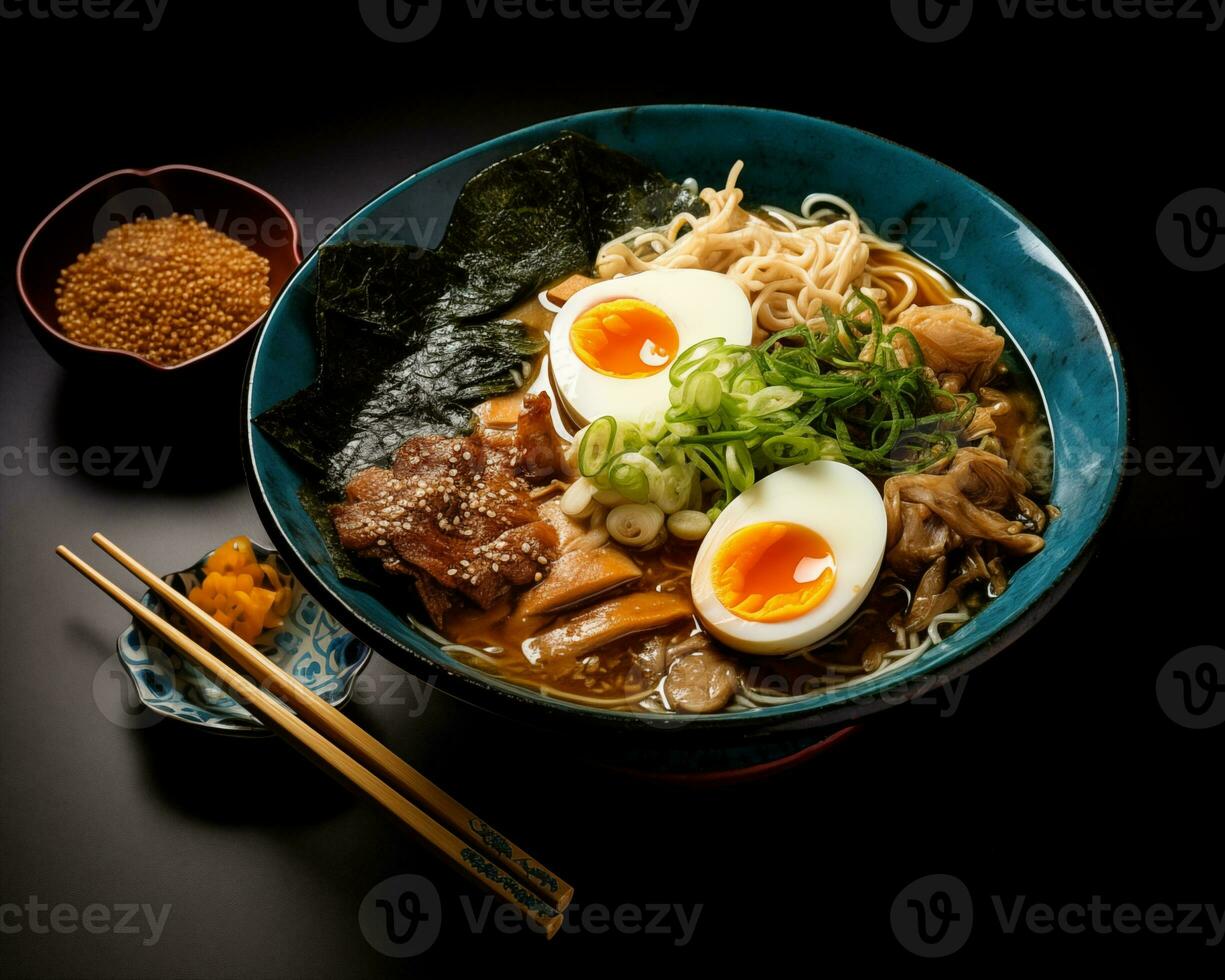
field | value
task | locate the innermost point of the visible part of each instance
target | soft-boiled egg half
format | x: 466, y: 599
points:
x: 790, y: 560
x: 611, y: 345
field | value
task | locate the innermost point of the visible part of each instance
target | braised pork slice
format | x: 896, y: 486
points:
x: 951, y: 342
x: 538, y: 455
x: 458, y: 511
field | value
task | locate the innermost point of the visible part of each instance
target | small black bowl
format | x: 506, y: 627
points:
x: 242, y: 210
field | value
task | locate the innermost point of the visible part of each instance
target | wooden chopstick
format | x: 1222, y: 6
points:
x: 317, y: 747
x: 355, y: 740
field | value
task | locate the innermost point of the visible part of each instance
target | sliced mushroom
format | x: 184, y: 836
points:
x: 968, y: 497
x: 701, y: 682
x: 999, y: 577
x: 650, y: 660
x: 973, y: 569
x: 931, y: 598
x: 874, y: 655
x: 688, y: 644
x: 953, y: 382
x: 981, y: 424
x: 1032, y: 512
x: 923, y: 537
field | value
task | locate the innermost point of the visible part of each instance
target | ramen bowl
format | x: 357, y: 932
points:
x: 1000, y: 258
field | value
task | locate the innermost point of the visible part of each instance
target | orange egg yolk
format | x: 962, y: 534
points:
x: 773, y: 571
x: 626, y: 338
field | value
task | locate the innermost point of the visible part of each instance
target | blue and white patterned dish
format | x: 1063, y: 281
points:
x: 310, y: 646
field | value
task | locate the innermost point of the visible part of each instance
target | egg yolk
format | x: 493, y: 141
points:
x: 626, y: 338
x: 773, y: 571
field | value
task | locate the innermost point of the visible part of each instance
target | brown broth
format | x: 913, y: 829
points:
x: 623, y: 673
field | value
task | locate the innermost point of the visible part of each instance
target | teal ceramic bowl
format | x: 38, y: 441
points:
x: 999, y: 257
x: 309, y: 645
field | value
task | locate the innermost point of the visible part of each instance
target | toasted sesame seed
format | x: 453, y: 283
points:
x: 168, y: 289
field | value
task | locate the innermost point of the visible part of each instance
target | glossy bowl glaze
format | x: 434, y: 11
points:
x: 1000, y: 258
x: 242, y: 210
x: 310, y: 646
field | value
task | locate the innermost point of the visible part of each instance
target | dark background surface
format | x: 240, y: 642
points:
x: 1058, y: 777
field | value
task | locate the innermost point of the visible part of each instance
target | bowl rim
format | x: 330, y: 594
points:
x: 295, y: 244
x: 221, y: 724
x: 512, y: 700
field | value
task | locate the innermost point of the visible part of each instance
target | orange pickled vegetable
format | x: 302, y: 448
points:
x: 233, y: 557
x: 239, y: 592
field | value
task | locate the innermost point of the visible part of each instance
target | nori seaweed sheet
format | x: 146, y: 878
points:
x: 409, y: 339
